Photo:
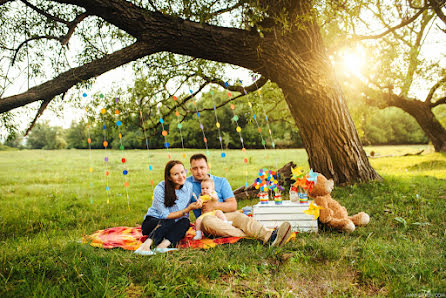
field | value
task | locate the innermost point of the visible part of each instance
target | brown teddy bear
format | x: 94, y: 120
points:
x: 333, y: 214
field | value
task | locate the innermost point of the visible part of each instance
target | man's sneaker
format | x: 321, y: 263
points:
x: 280, y: 235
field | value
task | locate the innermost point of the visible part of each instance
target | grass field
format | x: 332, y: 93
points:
x: 45, y: 209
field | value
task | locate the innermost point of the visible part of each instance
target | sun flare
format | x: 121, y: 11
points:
x: 352, y: 61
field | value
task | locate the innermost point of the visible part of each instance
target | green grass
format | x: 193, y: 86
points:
x: 45, y: 209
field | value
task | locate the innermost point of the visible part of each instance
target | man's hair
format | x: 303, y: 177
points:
x: 208, y: 179
x: 197, y: 157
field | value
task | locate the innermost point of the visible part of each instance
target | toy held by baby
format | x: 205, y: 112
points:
x: 205, y: 198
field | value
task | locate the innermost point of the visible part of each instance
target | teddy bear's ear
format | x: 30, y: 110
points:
x: 330, y: 184
x: 322, y: 187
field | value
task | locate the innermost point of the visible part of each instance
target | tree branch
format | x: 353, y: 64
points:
x: 44, y: 13
x: 229, y: 8
x: 66, y: 80
x: 230, y: 99
x: 62, y: 39
x: 236, y: 88
x: 153, y: 5
x: 16, y: 51
x: 438, y: 102
x: 4, y: 2
x: 177, y: 35
x: 391, y: 29
x: 434, y: 88
x: 436, y: 6
x: 42, y: 108
x: 71, y: 27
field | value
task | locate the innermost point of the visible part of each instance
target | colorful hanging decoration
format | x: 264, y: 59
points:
x: 217, y: 124
x: 238, y: 129
x: 121, y: 147
x: 201, y: 125
x: 90, y: 169
x: 313, y: 209
x: 164, y: 133
x: 259, y: 92
x: 106, y: 159
x: 254, y: 117
x: 179, y: 125
x: 148, y: 150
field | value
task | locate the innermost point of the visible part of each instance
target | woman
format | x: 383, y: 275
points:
x: 167, y: 220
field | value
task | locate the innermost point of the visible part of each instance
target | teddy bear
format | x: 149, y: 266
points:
x: 332, y: 213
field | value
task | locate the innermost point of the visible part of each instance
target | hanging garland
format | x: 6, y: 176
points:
x: 105, y: 144
x: 90, y: 169
x: 123, y: 159
x: 148, y: 150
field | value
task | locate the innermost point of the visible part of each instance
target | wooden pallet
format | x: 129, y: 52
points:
x: 272, y: 215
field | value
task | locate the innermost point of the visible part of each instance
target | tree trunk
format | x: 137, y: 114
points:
x: 300, y: 66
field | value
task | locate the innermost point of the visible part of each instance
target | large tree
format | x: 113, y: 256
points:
x: 281, y: 40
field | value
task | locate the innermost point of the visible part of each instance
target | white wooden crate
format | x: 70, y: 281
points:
x: 272, y: 215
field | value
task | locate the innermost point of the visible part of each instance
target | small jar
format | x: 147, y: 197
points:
x: 294, y: 195
x: 303, y: 197
x: 247, y: 210
x: 278, y: 199
x: 263, y: 197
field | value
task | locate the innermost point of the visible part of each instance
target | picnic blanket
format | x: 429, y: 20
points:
x: 130, y: 238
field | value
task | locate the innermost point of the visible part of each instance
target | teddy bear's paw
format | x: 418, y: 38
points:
x: 361, y: 219
x: 349, y: 227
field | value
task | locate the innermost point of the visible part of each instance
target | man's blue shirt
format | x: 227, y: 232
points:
x: 222, y: 187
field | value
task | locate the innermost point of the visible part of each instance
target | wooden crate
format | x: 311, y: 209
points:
x: 272, y: 215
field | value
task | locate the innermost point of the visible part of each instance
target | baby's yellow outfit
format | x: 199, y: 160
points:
x: 204, y: 199
x: 213, y: 212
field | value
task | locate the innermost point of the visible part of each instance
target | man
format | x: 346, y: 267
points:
x: 242, y: 225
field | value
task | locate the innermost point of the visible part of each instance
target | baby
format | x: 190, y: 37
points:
x: 207, y: 193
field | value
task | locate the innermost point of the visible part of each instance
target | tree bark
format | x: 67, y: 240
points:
x: 294, y: 58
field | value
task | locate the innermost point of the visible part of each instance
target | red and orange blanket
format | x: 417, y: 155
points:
x: 130, y: 238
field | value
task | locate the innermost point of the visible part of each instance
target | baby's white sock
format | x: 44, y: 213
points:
x: 198, y: 235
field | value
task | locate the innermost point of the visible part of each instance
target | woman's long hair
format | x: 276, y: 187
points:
x: 169, y: 189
